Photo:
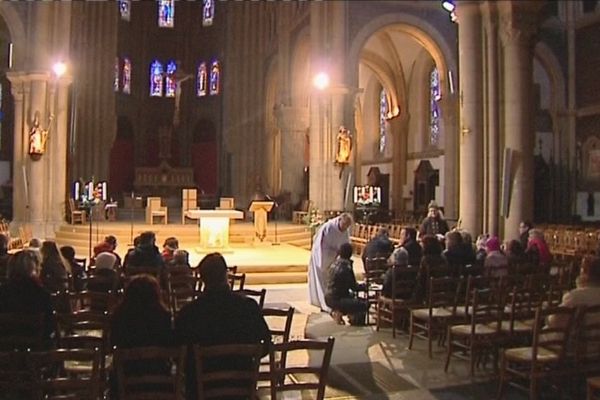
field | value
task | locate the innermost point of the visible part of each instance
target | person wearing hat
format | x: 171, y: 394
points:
x: 433, y: 224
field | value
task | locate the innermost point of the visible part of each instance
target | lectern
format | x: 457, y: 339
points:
x: 260, y: 210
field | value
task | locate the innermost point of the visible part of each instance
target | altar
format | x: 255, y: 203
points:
x: 214, y: 228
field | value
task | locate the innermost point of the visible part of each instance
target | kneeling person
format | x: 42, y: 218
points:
x: 341, y: 289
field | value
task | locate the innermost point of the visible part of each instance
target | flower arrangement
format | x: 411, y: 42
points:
x: 313, y: 219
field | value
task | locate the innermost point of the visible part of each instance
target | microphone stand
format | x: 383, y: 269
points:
x: 276, y: 205
x: 131, y: 220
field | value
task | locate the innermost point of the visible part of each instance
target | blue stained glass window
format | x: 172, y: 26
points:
x: 435, y: 95
x: 126, y: 75
x: 170, y: 83
x: 208, y: 12
x: 156, y: 79
x: 166, y: 13
x: 117, y: 74
x: 383, y: 124
x: 125, y: 9
x: 215, y: 78
x: 201, y: 80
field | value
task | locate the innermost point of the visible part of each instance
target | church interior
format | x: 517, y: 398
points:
x: 242, y: 127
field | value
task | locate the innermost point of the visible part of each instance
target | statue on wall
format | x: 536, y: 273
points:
x: 344, y: 146
x: 38, y: 137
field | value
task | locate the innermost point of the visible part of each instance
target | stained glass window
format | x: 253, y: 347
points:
x: 201, y: 80
x: 126, y: 75
x: 116, y: 77
x: 170, y: 83
x: 125, y: 9
x: 156, y: 79
x: 208, y: 12
x: 166, y: 13
x: 215, y: 77
x: 383, y: 124
x: 434, y: 108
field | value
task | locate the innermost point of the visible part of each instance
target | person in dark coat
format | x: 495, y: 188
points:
x: 408, y: 241
x: 524, y: 228
x: 23, y: 293
x: 108, y: 245
x: 434, y: 223
x: 77, y: 270
x: 4, y: 257
x: 379, y: 246
x: 217, y: 317
x: 341, y: 290
x: 145, y: 255
x: 54, y: 271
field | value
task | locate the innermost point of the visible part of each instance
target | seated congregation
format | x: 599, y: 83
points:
x: 153, y: 325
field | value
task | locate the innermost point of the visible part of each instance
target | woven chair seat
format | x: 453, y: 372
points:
x: 525, y: 354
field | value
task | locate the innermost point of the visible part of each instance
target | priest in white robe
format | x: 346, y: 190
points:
x: 326, y: 244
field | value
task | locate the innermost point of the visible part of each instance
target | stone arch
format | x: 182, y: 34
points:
x: 299, y: 78
x: 423, y: 32
x: 18, y: 36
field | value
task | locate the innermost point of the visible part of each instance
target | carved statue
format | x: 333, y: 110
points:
x: 38, y: 137
x: 344, y: 146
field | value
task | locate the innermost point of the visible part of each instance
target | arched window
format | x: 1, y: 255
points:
x: 116, y: 74
x: 383, y: 124
x: 166, y: 13
x: 170, y: 83
x: 201, y: 80
x: 215, y: 78
x: 156, y: 79
x: 126, y: 75
x: 125, y: 9
x: 434, y: 108
x: 208, y: 12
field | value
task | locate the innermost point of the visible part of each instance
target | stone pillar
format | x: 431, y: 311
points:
x: 399, y: 135
x: 293, y: 123
x: 20, y: 210
x: 516, y: 32
x: 471, y: 130
x: 326, y: 188
x: 493, y: 117
x: 58, y: 153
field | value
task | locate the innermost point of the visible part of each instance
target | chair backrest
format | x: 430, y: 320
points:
x: 226, y: 203
x: 552, y: 336
x: 59, y: 382
x: 486, y: 307
x: 189, y: 199
x: 82, y: 262
x: 257, y: 295
x: 443, y: 292
x: 404, y: 281
x: 588, y: 336
x: 236, y: 281
x: 147, y: 373
x: 375, y: 266
x: 91, y: 300
x: 281, y: 370
x: 182, y: 290
x: 279, y: 321
x: 227, y: 370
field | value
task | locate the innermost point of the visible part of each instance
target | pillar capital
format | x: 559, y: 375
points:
x: 518, y: 22
x: 292, y: 118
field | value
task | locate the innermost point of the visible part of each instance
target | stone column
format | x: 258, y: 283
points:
x: 58, y: 153
x: 399, y: 134
x: 492, y: 120
x: 471, y: 129
x: 20, y: 211
x: 293, y: 123
x: 516, y: 32
x: 328, y: 43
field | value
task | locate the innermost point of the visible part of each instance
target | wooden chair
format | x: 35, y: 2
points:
x: 18, y: 377
x: 286, y: 377
x: 236, y: 280
x: 432, y: 321
x: 154, y: 209
x: 373, y: 280
x: 280, y: 326
x: 226, y: 203
x: 257, y: 295
x: 587, y: 340
x: 227, y: 370
x: 545, y: 357
x: 189, y: 201
x: 93, y: 301
x: 481, y: 335
x: 182, y: 290
x: 77, y: 215
x: 60, y: 382
x: 136, y: 381
x: 395, y: 309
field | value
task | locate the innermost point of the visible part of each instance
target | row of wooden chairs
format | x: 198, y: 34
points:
x: 570, y: 241
x: 45, y: 375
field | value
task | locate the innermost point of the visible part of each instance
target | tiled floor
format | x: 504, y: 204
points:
x: 372, y: 365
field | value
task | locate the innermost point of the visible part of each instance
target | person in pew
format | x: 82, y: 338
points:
x: 433, y: 265
x: 130, y: 251
x: 379, y: 246
x: 141, y: 320
x: 77, y: 270
x: 408, y: 241
x: 515, y: 252
x: 110, y: 280
x: 434, y: 223
x: 180, y: 263
x: 145, y: 255
x: 170, y: 245
x: 326, y: 244
x: 538, y: 251
x: 495, y: 263
x: 218, y: 317
x: 399, y: 261
x: 109, y: 244
x: 342, y: 288
x: 524, y: 228
x: 23, y: 293
x: 456, y: 253
x: 55, y: 270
